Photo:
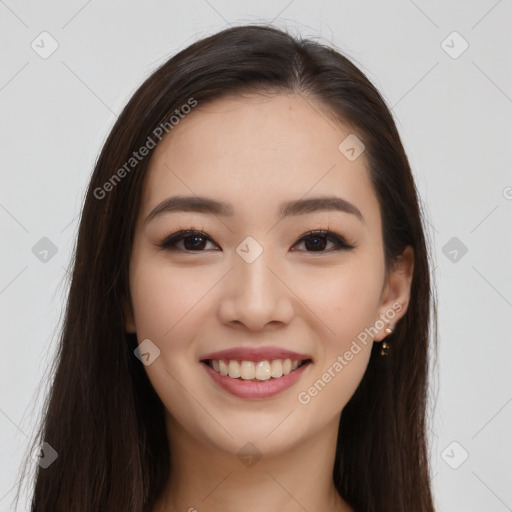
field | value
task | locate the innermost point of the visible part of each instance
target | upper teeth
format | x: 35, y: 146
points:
x: 248, y: 370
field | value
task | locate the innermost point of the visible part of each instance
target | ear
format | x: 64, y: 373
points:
x: 129, y: 322
x: 396, y: 292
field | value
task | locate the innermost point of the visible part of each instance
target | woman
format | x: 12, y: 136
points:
x: 249, y: 313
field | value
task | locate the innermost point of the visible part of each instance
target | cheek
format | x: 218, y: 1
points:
x: 163, y: 299
x: 168, y: 309
x: 347, y: 308
x: 334, y: 384
x: 171, y: 306
x: 345, y: 298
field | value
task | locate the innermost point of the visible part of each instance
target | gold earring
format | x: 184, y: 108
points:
x: 384, y: 351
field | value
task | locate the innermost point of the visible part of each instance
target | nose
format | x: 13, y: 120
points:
x: 255, y: 295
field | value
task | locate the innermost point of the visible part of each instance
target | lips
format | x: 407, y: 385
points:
x: 285, y: 370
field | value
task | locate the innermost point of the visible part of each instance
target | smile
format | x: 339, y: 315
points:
x: 254, y: 370
x: 255, y: 379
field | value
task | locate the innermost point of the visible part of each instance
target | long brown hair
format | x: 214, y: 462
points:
x: 102, y: 415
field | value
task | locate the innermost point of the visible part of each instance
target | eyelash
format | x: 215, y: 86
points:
x: 169, y: 243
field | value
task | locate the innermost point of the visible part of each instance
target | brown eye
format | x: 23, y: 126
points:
x: 192, y: 241
x: 317, y: 241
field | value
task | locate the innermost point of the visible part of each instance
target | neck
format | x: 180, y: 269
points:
x: 205, y: 477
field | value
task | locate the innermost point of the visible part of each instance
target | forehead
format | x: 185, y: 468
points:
x: 255, y: 151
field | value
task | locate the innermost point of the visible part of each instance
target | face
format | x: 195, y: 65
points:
x: 264, y: 275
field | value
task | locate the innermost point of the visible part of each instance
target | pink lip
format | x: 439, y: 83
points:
x: 255, y: 354
x: 252, y: 388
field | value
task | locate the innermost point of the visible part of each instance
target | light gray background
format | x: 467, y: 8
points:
x: 455, y: 118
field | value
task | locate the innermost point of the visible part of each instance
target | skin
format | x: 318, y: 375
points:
x: 255, y: 152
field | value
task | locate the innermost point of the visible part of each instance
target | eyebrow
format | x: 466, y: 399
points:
x: 288, y: 208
